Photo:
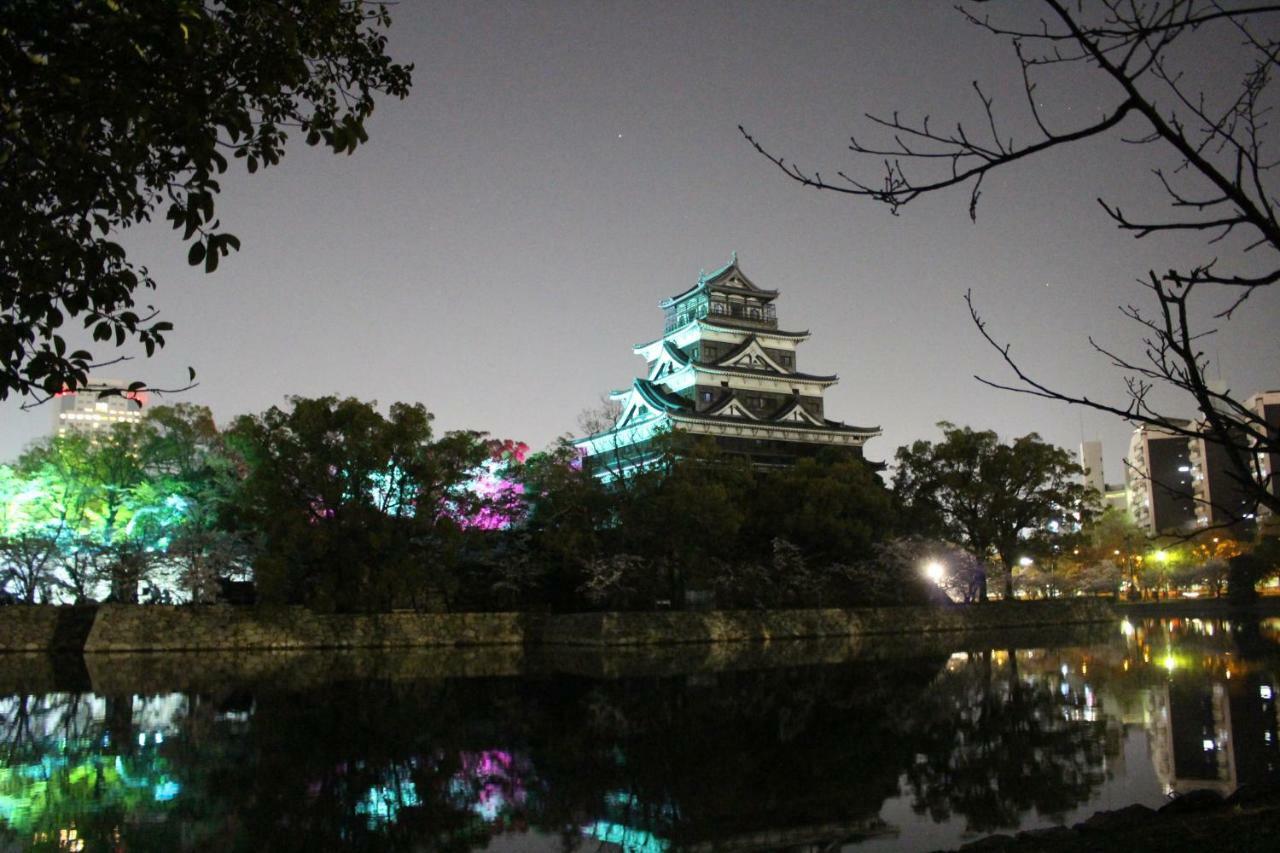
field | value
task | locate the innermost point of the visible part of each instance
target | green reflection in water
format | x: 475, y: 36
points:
x: 977, y: 737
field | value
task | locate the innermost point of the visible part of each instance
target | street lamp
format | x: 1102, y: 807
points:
x: 934, y: 571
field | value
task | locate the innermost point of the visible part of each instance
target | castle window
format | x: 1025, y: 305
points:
x: 706, y: 396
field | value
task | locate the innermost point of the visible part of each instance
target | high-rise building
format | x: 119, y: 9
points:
x: 1091, y: 462
x: 724, y: 369
x: 1159, y: 479
x: 1109, y: 494
x: 1266, y: 405
x: 1221, y: 499
x: 87, y: 411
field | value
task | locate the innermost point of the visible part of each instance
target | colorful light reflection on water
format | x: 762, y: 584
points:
x: 901, y: 752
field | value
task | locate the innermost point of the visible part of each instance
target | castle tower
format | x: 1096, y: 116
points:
x: 723, y: 368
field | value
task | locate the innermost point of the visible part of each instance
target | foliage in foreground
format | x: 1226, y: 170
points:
x: 114, y: 110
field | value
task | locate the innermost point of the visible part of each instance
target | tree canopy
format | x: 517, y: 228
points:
x: 348, y: 501
x: 115, y: 109
x: 996, y: 498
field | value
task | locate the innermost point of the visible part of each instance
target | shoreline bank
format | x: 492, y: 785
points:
x: 110, y: 628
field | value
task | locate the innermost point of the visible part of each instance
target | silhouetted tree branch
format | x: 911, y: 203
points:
x: 1221, y: 186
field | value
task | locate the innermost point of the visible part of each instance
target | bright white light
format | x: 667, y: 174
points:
x: 1264, y: 691
x: 1025, y: 561
x: 1208, y: 745
x: 935, y: 571
x: 1126, y: 628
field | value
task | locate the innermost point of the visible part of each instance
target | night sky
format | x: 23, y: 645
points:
x: 559, y: 168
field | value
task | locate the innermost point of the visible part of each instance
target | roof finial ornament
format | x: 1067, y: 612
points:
x: 734, y: 259
x: 702, y: 275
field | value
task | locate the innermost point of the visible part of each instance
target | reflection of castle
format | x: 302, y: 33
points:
x: 1218, y: 735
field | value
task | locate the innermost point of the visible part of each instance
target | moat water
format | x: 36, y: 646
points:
x: 916, y: 744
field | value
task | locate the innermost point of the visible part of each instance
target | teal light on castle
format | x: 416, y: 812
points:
x: 723, y: 369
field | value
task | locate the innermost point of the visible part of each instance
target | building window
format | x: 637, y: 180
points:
x: 706, y: 396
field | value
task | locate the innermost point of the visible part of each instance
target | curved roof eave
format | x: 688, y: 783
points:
x: 660, y: 399
x: 844, y: 428
x: 727, y: 325
x: 743, y: 371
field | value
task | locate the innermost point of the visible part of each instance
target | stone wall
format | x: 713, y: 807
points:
x: 154, y: 628
x: 122, y: 627
x: 621, y: 629
x: 41, y: 628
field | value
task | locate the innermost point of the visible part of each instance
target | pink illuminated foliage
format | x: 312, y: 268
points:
x: 499, y: 497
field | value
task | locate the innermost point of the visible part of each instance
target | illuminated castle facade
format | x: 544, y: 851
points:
x: 724, y: 369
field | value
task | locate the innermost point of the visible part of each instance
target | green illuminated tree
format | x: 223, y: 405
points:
x: 115, y: 109
x: 192, y: 478
x: 46, y: 504
x: 117, y: 507
x: 996, y: 498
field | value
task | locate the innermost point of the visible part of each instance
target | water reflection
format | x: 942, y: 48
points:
x: 916, y: 750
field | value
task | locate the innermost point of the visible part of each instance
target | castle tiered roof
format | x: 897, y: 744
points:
x: 723, y: 368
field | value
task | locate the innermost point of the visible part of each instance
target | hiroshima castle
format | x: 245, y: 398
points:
x: 724, y: 369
